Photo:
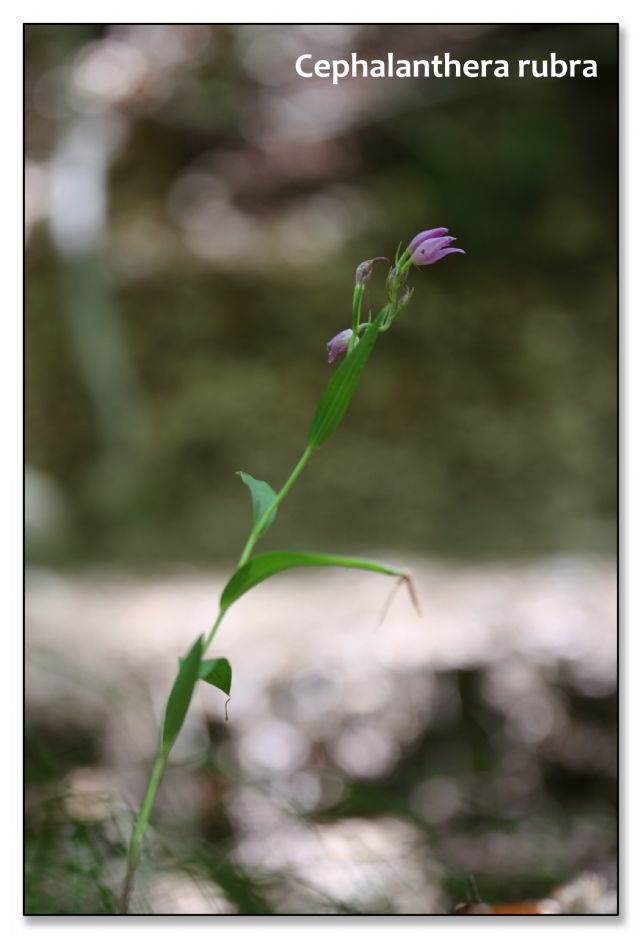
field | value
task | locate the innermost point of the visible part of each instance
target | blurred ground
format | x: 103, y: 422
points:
x: 364, y: 767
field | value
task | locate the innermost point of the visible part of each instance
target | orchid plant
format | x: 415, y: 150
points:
x: 356, y: 343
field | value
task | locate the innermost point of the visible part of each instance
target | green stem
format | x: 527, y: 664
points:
x: 357, y: 306
x: 214, y: 628
x: 355, y: 315
x: 160, y: 762
x: 253, y: 536
x: 137, y: 835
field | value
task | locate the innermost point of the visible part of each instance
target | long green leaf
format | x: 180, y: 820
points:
x: 180, y: 696
x: 262, y: 496
x: 335, y: 400
x: 264, y: 565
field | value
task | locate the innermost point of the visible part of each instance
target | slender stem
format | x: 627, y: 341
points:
x: 140, y: 826
x: 357, y: 306
x: 355, y: 315
x: 253, y: 536
x: 212, y: 632
x: 160, y: 762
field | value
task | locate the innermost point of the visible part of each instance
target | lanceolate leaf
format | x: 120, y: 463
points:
x: 335, y: 400
x: 180, y: 696
x: 217, y: 672
x: 262, y: 496
x: 264, y: 565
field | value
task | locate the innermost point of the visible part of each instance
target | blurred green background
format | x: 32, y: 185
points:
x: 195, y: 213
x: 194, y: 216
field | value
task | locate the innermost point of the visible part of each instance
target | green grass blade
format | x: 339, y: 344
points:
x: 335, y: 400
x: 180, y: 696
x: 262, y: 496
x: 264, y: 565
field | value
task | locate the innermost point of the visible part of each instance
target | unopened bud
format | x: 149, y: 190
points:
x: 429, y: 247
x: 406, y: 296
x: 365, y: 269
x: 338, y: 344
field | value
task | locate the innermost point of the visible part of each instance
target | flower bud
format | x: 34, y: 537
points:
x: 338, y: 344
x: 429, y: 247
x: 425, y: 236
x: 406, y: 296
x: 365, y: 269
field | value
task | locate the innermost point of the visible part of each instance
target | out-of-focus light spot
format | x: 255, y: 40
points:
x: 178, y: 893
x: 44, y: 507
x: 332, y: 789
x: 273, y: 748
x: 317, y: 227
x: 78, y: 199
x: 212, y: 228
x: 140, y: 247
x: 166, y: 45
x: 89, y: 794
x: 109, y: 71
x: 517, y: 688
x: 582, y: 747
x: 195, y: 192
x: 438, y: 800
x: 310, y: 232
x: 268, y: 55
x: 312, y: 113
x: 309, y: 159
x: 460, y: 31
x: 51, y: 93
x: 509, y: 681
x: 302, y: 235
x: 36, y: 195
x: 302, y: 791
x: 314, y: 696
x: 368, y: 695
x: 358, y: 855
x: 338, y: 36
x: 587, y: 894
x: 376, y: 864
x: 532, y: 718
x: 513, y: 788
x: 78, y: 196
x: 254, y: 811
x: 221, y: 234
x: 364, y: 751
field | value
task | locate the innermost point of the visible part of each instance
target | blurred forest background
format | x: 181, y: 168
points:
x: 194, y: 215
